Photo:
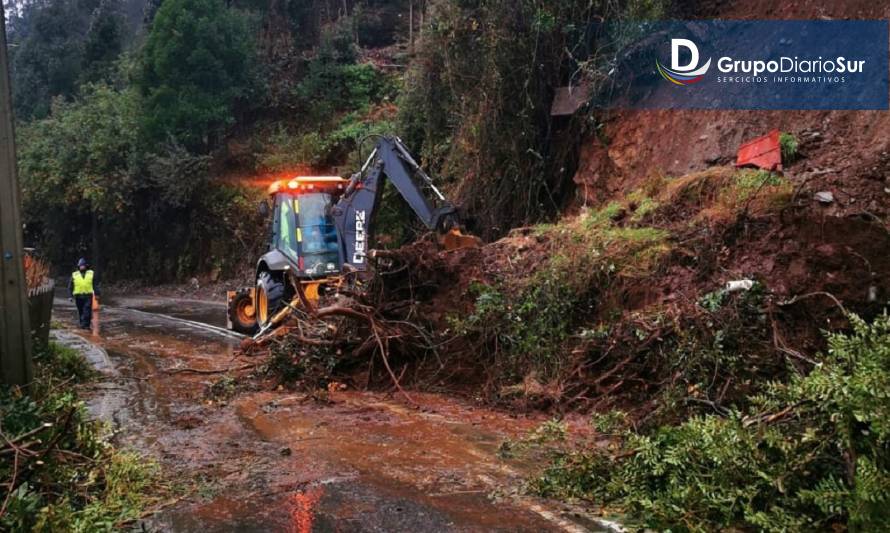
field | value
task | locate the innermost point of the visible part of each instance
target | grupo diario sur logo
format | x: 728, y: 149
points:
x: 781, y: 69
x: 734, y: 64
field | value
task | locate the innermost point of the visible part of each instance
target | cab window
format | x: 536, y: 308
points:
x: 287, y: 235
x: 317, y: 234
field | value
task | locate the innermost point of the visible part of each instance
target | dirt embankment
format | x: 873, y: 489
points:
x: 846, y: 152
x: 807, y: 246
x: 624, y: 304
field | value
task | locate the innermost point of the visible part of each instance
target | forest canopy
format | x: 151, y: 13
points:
x: 136, y: 117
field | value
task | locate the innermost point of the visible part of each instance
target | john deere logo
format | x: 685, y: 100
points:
x: 683, y: 74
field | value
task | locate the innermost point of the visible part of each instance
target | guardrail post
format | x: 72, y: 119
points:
x: 15, y: 332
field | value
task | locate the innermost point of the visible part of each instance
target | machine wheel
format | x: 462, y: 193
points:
x: 269, y: 298
x: 242, y: 313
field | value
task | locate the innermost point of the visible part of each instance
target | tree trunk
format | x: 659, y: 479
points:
x: 411, y: 26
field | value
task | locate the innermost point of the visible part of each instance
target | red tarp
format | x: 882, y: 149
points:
x: 762, y: 152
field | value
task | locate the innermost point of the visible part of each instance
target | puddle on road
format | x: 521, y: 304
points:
x: 442, y: 461
x: 324, y: 508
x: 267, y: 461
x: 211, y: 313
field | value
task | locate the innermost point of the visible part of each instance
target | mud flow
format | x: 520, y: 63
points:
x: 280, y: 461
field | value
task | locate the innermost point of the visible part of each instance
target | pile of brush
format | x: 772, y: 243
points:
x: 372, y: 324
x: 36, y: 272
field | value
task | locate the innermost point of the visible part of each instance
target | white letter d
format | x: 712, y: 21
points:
x: 675, y: 54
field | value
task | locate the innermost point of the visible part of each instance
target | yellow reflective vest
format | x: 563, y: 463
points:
x: 83, y: 283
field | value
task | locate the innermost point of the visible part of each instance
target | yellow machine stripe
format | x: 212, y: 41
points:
x: 296, y: 206
x: 299, y: 235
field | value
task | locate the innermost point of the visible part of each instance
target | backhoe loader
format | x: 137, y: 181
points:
x: 321, y: 231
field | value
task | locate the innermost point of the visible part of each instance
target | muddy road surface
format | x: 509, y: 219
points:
x: 261, y: 460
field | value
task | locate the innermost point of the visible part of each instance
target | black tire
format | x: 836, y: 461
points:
x: 242, y: 313
x: 273, y: 290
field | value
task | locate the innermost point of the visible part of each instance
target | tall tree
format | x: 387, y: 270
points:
x: 104, y: 41
x: 48, y: 58
x: 196, y: 66
x: 77, y: 166
x: 56, y: 45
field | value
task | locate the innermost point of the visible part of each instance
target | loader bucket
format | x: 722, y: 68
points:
x: 763, y: 152
x: 455, y: 240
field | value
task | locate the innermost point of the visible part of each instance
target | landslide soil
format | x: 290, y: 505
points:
x: 807, y: 247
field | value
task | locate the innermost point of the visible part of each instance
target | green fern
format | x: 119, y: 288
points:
x: 811, y: 454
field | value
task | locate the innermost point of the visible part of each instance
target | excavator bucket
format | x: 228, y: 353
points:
x: 455, y: 240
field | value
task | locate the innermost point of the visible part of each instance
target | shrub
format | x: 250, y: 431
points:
x: 79, y: 482
x: 81, y: 157
x: 789, y: 145
x: 581, y: 259
x: 335, y: 82
x: 809, y: 454
x: 285, y: 150
x: 340, y: 101
x: 64, y: 362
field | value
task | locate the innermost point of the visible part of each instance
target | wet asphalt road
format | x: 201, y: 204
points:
x: 265, y: 460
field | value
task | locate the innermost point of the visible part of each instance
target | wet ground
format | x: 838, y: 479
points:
x: 279, y: 461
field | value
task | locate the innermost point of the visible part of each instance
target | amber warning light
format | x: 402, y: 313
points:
x: 308, y: 183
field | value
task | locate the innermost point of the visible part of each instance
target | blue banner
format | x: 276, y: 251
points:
x: 723, y: 64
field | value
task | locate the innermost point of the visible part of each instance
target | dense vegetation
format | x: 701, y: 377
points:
x: 140, y: 121
x: 807, y: 454
x: 61, y: 470
x: 141, y: 127
x: 478, y: 100
x: 119, y: 152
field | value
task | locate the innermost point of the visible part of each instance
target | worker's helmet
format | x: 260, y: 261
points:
x: 82, y: 262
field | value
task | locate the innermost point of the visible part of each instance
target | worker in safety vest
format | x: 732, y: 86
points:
x: 82, y: 286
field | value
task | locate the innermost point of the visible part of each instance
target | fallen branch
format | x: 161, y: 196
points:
x: 780, y: 346
x: 810, y: 295
x: 769, y: 418
x: 23, y: 436
x: 392, y: 374
x: 206, y: 372
x: 24, y: 450
x: 378, y: 334
x: 11, y: 489
x: 59, y: 434
x: 723, y: 411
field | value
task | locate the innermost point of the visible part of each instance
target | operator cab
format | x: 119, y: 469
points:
x: 303, y: 227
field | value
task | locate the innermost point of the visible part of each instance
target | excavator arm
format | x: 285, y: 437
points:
x: 353, y: 216
x: 354, y: 212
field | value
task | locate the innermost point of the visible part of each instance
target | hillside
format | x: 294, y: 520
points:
x: 721, y: 331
